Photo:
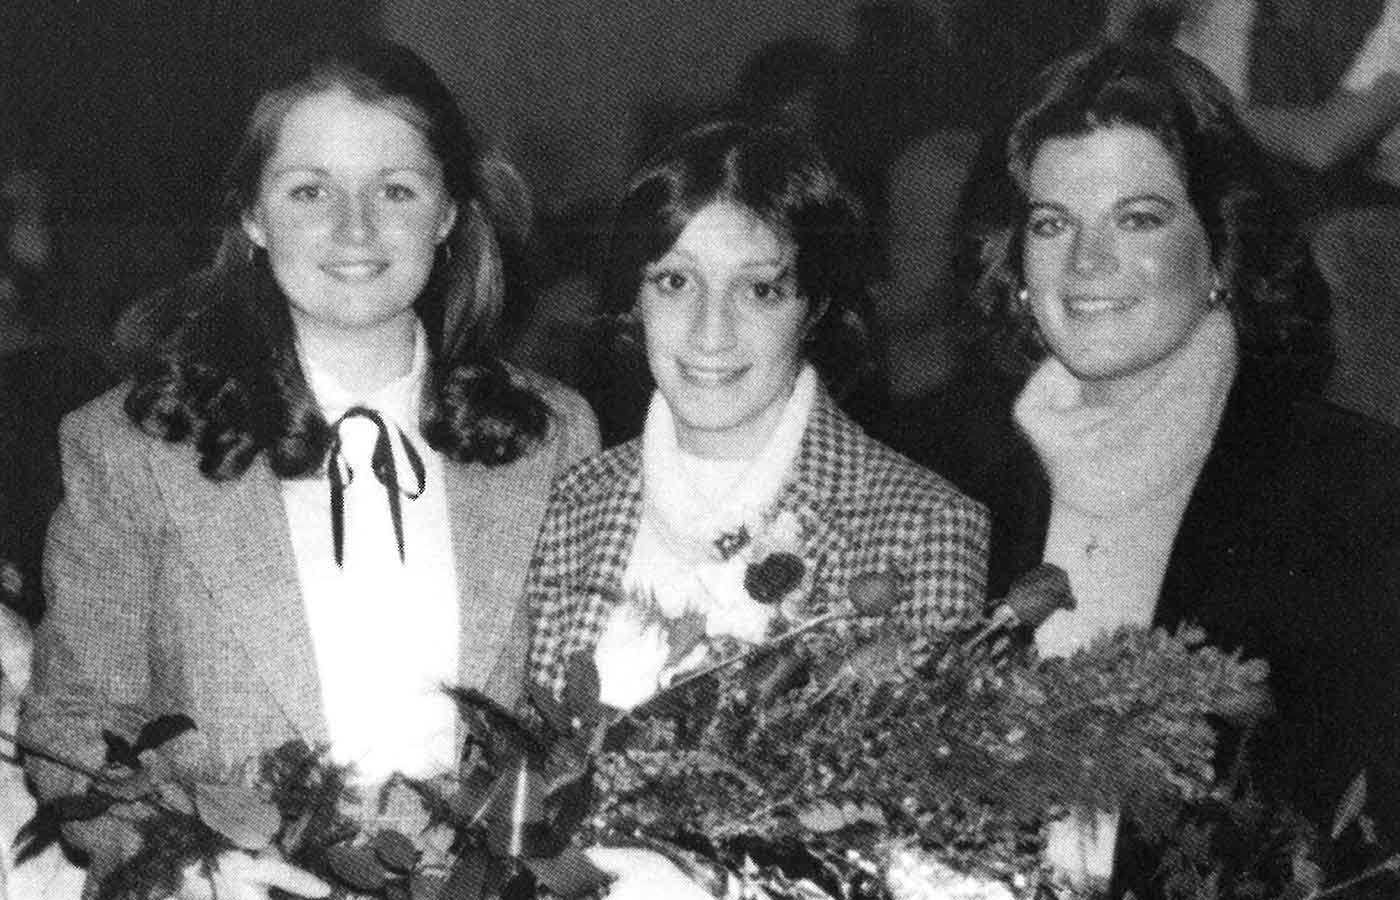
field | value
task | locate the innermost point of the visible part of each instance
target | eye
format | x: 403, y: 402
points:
x: 399, y: 193
x: 1046, y: 225
x: 668, y: 282
x: 1141, y: 220
x: 306, y: 193
x: 774, y: 291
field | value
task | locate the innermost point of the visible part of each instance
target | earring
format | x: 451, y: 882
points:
x: 1218, y: 294
x: 1024, y: 295
x: 446, y: 249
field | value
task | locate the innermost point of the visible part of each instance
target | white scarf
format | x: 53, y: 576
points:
x: 675, y: 558
x: 1113, y: 458
x: 688, y: 521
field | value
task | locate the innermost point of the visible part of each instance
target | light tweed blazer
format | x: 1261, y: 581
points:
x: 863, y: 509
x: 169, y: 592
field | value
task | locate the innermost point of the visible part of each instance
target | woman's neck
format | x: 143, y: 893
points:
x: 365, y: 360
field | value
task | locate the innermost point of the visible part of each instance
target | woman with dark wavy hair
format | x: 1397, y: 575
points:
x: 1167, y: 451
x: 315, y: 502
x: 741, y: 261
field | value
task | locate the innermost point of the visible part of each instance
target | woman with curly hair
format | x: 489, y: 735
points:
x: 315, y: 503
x: 1167, y: 451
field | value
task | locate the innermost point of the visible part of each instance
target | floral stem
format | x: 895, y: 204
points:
x: 1390, y: 865
x: 809, y: 625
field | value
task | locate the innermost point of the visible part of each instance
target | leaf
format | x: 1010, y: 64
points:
x: 477, y: 790
x: 475, y: 876
x: 566, y: 804
x: 581, y: 689
x: 493, y: 724
x: 357, y: 867
x: 519, y: 886
x: 394, y: 850
x: 119, y: 751
x: 822, y: 817
x: 161, y: 730
x: 1349, y: 808
x: 550, y: 710
x: 238, y: 813
x: 684, y: 635
x: 77, y: 807
x: 427, y: 885
x: 1307, y: 879
x: 776, y: 674
x: 570, y: 874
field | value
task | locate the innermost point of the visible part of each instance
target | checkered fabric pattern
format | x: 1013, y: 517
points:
x: 863, y: 509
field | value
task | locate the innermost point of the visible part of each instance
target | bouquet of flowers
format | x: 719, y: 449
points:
x: 868, y: 761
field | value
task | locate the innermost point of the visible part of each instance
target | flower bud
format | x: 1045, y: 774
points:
x: 1038, y: 593
x: 769, y: 580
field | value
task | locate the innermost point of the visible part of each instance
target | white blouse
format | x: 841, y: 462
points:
x: 385, y: 632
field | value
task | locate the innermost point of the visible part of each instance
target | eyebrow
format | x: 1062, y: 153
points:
x: 1146, y: 197
x: 325, y: 173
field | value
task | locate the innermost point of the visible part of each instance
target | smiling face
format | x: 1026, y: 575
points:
x: 724, y: 324
x: 1117, y: 262
x: 351, y: 207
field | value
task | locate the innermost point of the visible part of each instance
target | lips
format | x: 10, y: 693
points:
x: 355, y: 271
x: 710, y: 375
x: 1085, y: 306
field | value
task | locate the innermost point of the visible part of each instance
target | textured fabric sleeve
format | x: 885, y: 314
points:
x: 950, y: 565
x: 544, y: 593
x: 91, y: 668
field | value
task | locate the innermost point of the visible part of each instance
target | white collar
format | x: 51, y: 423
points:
x: 1110, y: 459
x: 401, y: 400
x: 679, y: 511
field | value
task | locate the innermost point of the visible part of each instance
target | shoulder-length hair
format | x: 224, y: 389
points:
x: 222, y: 372
x: 1270, y: 285
x: 783, y: 180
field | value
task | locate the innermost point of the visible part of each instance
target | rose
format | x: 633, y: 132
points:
x: 770, y: 579
x: 1038, y: 593
x: 629, y: 657
x: 914, y: 874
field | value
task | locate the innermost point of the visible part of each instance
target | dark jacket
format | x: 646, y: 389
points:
x: 1290, y: 549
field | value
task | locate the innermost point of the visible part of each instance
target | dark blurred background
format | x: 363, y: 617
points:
x: 128, y: 108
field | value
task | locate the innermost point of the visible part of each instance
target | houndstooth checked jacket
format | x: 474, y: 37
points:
x: 863, y: 508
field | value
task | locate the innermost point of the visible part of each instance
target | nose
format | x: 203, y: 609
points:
x: 354, y: 222
x: 712, y: 330
x: 1093, y: 251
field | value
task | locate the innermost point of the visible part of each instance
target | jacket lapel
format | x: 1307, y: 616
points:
x: 236, y: 537
x: 493, y: 519
x: 825, y: 477
x: 618, y: 514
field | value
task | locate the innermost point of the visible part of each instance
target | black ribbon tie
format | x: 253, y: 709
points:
x: 341, y: 475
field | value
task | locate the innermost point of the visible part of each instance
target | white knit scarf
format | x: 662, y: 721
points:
x: 687, y: 522
x: 1112, y: 458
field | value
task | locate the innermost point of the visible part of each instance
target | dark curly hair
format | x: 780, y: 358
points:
x: 1274, y: 292
x: 221, y: 370
x: 783, y: 179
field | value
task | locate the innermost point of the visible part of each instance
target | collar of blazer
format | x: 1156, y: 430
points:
x: 235, y: 536
x: 826, y: 479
